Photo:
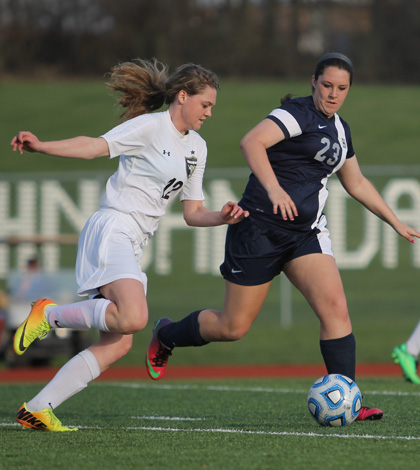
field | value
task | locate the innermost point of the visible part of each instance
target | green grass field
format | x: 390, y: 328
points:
x: 216, y: 425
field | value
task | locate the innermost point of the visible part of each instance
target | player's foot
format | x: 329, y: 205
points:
x: 157, y: 354
x: 366, y: 413
x: 35, y: 326
x: 44, y: 420
x: 407, y: 363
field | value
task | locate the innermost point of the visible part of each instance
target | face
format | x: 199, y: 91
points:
x: 330, y: 90
x: 196, y: 108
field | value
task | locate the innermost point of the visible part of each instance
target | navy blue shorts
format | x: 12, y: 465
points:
x: 256, y: 251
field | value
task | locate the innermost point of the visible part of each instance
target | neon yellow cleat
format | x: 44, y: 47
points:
x: 35, y: 326
x: 43, y: 420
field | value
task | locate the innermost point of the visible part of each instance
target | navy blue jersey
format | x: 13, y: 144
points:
x: 314, y: 148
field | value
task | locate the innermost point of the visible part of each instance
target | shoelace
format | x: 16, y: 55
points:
x: 162, y: 356
x: 54, y: 420
x: 40, y: 332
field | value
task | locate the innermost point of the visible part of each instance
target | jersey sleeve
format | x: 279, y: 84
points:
x: 350, y: 149
x: 292, y: 117
x: 193, y: 188
x: 130, y: 137
x: 286, y: 121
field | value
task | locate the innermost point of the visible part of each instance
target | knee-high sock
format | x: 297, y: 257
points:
x: 79, y: 316
x: 185, y: 332
x: 413, y: 343
x: 73, y: 377
x: 340, y: 355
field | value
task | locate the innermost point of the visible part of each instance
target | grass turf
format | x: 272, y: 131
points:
x: 248, y: 424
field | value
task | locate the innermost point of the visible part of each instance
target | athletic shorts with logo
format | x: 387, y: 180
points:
x: 256, y: 251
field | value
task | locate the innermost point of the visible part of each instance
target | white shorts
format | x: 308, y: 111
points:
x: 110, y: 248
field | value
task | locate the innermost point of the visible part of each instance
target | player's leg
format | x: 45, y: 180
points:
x: 317, y: 277
x: 406, y: 355
x: 45, y: 315
x: 413, y: 343
x: 73, y: 377
x: 124, y: 310
x: 241, y: 306
x: 129, y: 313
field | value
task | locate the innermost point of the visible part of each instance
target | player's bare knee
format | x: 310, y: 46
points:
x: 234, y: 333
x: 129, y: 326
x: 341, y: 312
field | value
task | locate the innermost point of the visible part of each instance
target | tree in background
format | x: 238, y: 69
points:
x: 242, y: 38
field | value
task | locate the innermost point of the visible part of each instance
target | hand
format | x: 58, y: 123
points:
x: 25, y: 140
x: 407, y: 232
x: 281, y: 200
x: 232, y: 213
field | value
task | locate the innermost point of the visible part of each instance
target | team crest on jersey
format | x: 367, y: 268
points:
x: 191, y: 163
x: 343, y: 143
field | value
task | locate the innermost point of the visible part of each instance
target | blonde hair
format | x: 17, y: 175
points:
x: 145, y: 86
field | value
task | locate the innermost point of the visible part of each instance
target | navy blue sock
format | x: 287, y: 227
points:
x: 340, y: 355
x: 185, y: 332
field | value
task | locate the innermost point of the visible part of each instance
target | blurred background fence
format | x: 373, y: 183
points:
x: 253, y: 38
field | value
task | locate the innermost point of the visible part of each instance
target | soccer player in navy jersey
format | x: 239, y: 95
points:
x: 291, y: 154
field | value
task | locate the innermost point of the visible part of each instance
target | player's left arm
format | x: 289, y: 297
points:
x: 361, y: 189
x: 197, y: 215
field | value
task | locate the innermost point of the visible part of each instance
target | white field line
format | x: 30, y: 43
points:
x: 224, y: 388
x: 167, y: 418
x: 237, y: 431
x: 244, y: 431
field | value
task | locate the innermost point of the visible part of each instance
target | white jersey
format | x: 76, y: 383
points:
x: 156, y: 163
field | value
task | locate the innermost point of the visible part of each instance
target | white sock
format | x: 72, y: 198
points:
x: 413, y: 343
x: 79, y: 316
x: 73, y: 377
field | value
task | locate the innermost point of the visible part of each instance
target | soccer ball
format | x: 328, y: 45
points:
x: 334, y: 400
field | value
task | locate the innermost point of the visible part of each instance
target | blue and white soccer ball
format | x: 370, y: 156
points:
x: 334, y: 400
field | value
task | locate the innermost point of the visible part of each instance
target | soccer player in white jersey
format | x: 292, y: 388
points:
x: 160, y: 156
x: 406, y: 355
x: 291, y: 154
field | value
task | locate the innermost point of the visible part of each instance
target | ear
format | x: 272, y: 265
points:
x: 313, y: 81
x: 182, y: 96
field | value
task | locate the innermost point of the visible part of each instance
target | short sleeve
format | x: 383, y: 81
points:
x: 130, y: 137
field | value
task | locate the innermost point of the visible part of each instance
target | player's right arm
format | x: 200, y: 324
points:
x: 253, y: 147
x: 86, y: 148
